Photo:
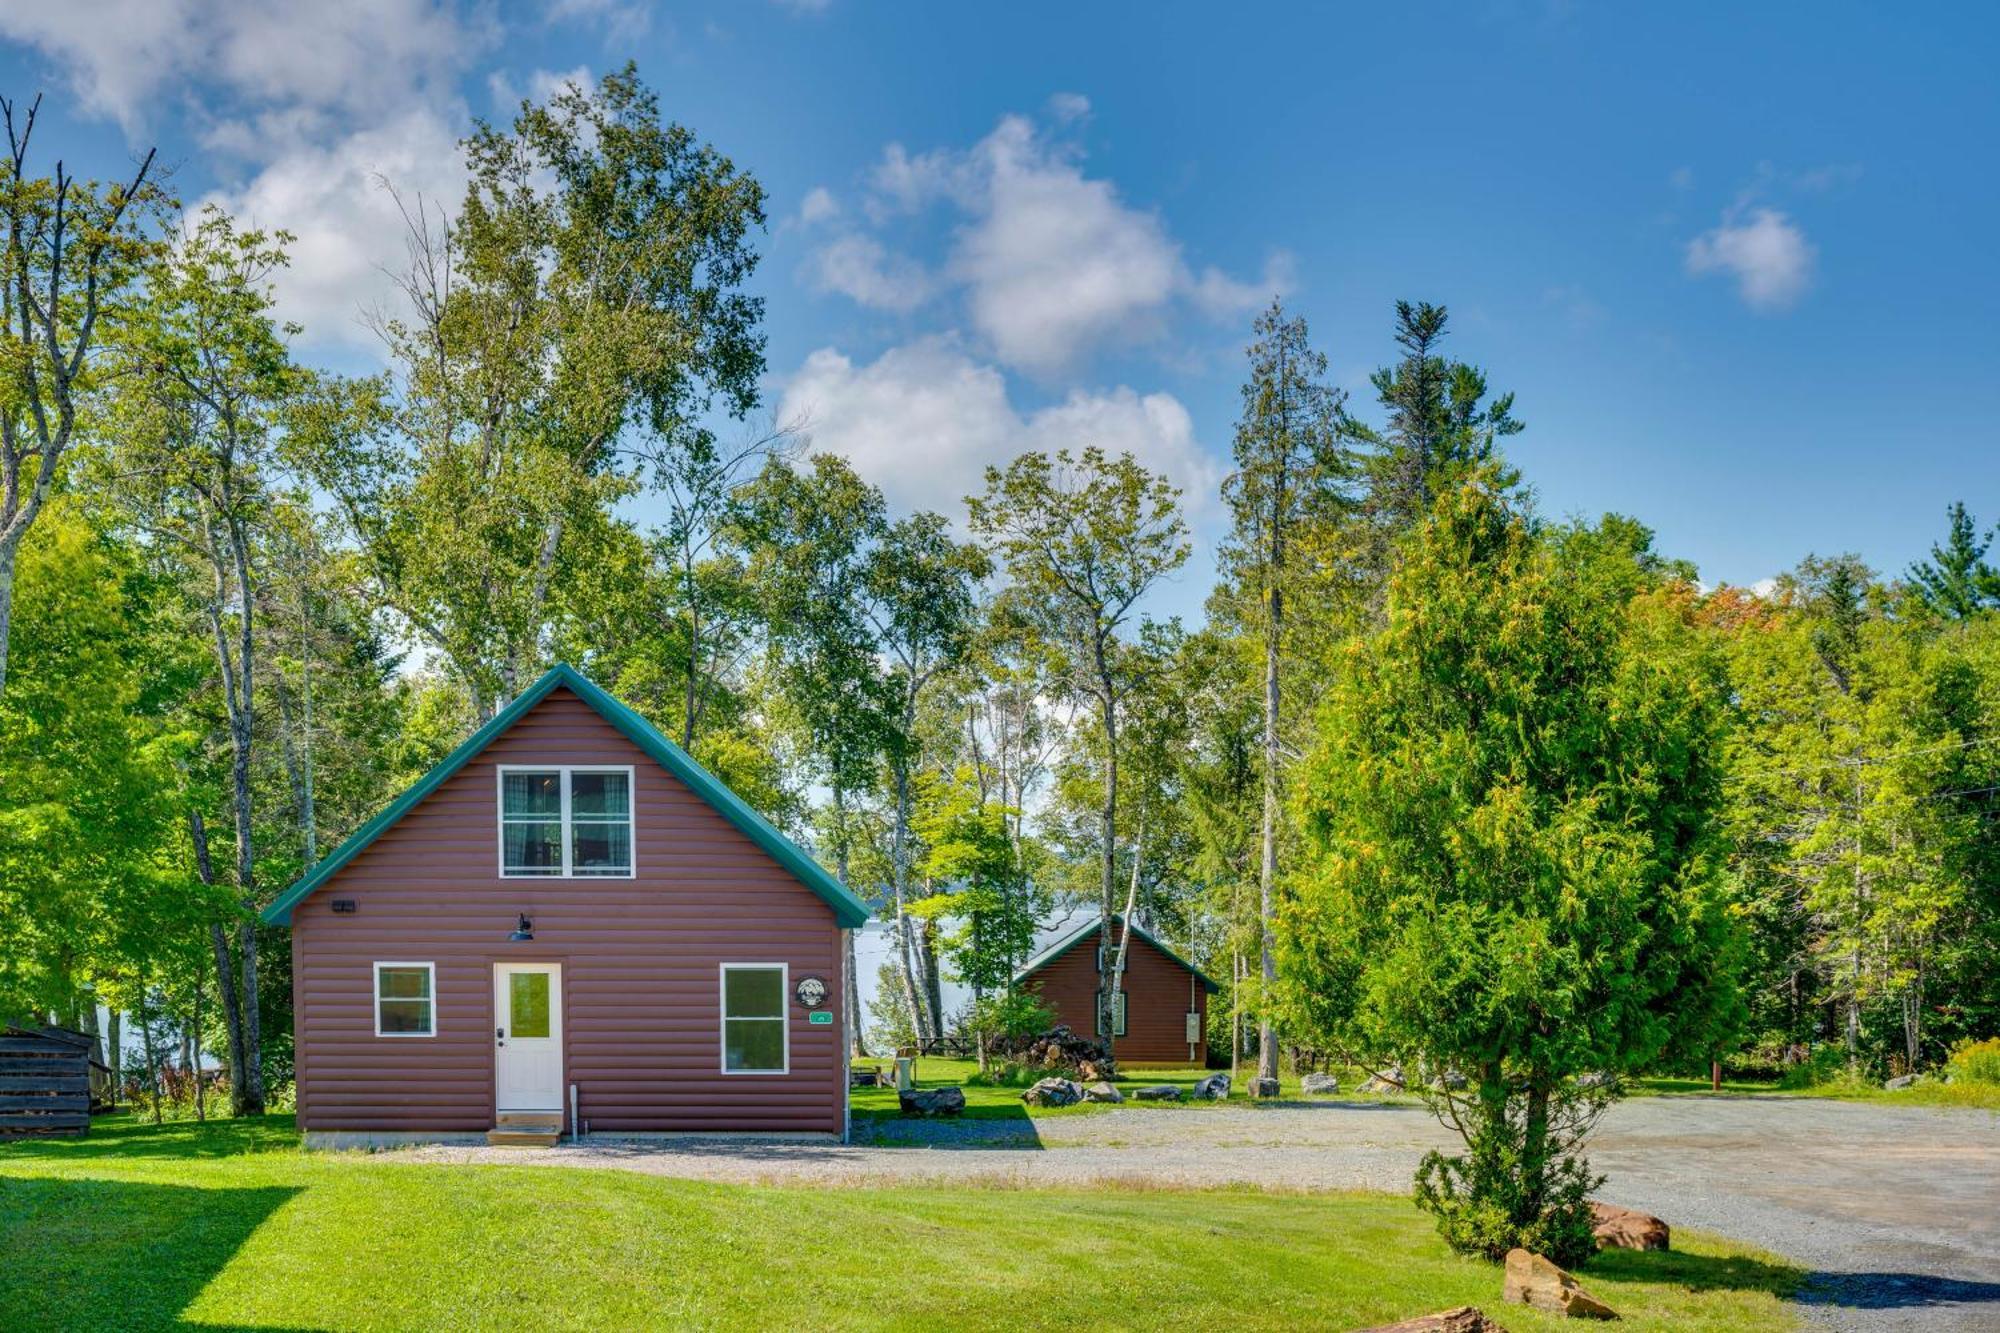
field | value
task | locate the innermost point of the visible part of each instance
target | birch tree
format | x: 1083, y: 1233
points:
x: 1085, y: 537
x: 74, y: 252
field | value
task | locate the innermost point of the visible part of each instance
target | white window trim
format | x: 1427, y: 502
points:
x: 563, y: 772
x: 375, y: 999
x: 784, y: 1018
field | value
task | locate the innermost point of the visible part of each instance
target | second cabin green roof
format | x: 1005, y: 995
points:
x: 1064, y: 943
x: 848, y: 910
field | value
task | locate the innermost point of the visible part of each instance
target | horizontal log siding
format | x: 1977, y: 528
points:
x: 640, y: 959
x: 1157, y: 991
x: 44, y: 1086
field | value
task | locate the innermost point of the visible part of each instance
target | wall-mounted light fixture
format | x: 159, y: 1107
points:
x: 523, y: 932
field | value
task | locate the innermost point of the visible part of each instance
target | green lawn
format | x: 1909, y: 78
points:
x: 1964, y: 1093
x: 230, y: 1225
x: 983, y: 1103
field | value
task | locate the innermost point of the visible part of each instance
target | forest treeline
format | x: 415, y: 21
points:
x: 245, y: 600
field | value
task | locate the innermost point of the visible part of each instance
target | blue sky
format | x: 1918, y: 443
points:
x: 1736, y: 261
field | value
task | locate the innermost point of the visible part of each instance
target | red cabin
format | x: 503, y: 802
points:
x: 1162, y: 1015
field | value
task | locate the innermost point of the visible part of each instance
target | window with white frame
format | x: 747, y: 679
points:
x: 565, y: 821
x: 753, y: 1018
x: 405, y: 999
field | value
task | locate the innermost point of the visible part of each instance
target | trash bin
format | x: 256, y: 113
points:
x: 906, y: 1074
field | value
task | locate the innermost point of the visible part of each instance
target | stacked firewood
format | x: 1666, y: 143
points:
x: 1060, y: 1050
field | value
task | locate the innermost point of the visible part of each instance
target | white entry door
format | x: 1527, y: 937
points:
x: 527, y: 1036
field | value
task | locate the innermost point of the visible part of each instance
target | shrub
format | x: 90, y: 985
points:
x: 1977, y: 1061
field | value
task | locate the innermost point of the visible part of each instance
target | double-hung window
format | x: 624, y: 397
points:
x: 565, y: 821
x: 753, y: 1018
x: 405, y: 999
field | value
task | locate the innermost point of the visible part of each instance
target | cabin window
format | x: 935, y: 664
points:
x: 405, y: 999
x: 1117, y: 1016
x: 565, y: 821
x: 753, y: 1018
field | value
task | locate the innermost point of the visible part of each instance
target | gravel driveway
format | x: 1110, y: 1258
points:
x: 1896, y: 1210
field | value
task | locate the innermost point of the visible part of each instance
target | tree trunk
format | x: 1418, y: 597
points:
x: 1235, y: 1014
x: 115, y: 1054
x: 7, y: 557
x: 898, y: 880
x: 194, y: 1063
x: 88, y: 1017
x: 225, y: 978
x: 1913, y: 1022
x: 1267, y: 867
x: 152, y: 1056
x: 933, y: 983
x: 850, y: 989
x: 1125, y: 931
x: 1534, y: 1153
x: 1108, y: 831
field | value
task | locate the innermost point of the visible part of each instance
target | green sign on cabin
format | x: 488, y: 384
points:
x: 820, y: 1018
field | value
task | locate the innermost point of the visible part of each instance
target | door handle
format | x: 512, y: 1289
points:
x: 500, y: 1036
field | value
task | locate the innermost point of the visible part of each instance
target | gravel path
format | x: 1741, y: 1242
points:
x: 1896, y: 1210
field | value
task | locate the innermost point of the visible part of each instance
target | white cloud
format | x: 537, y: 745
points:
x: 620, y: 20
x: 307, y: 107
x: 924, y: 420
x: 1764, y: 251
x: 818, y: 206
x: 1053, y: 263
x: 859, y: 268
x: 1066, y: 107
x: 350, y: 232
x: 351, y: 57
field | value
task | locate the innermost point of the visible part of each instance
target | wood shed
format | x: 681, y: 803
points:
x: 45, y: 1082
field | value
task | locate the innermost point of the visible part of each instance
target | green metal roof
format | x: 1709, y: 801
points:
x: 1067, y: 942
x: 849, y: 910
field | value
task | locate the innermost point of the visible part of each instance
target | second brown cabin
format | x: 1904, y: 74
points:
x: 1162, y: 1012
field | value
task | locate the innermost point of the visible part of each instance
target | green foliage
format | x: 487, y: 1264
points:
x: 990, y: 905
x: 85, y: 772
x: 1511, y: 816
x: 1978, y: 1061
x: 1957, y: 582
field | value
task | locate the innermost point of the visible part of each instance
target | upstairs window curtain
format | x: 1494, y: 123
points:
x: 565, y: 821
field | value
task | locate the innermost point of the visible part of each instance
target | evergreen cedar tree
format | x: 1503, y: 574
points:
x: 1513, y: 856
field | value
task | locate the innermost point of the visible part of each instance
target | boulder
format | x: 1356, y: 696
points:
x: 1464, y: 1319
x: 1898, y: 1083
x: 1324, y: 1085
x: 932, y: 1101
x: 1627, y: 1229
x: 1053, y: 1092
x: 1451, y: 1081
x: 1534, y: 1281
x: 1597, y: 1081
x: 1214, y: 1088
x: 1263, y: 1087
x: 1159, y: 1092
x: 1389, y: 1080
x: 1102, y: 1092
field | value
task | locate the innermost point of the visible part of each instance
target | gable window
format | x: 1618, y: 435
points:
x: 754, y: 1039
x: 565, y: 821
x: 405, y: 999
